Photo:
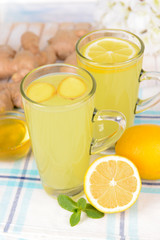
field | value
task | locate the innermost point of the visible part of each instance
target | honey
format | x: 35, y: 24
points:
x: 14, y: 138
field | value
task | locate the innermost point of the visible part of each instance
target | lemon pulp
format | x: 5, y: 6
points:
x: 112, y: 184
x: 110, y: 50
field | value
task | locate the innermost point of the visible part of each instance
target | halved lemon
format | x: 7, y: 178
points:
x: 72, y: 87
x: 110, y: 50
x: 112, y: 184
x: 40, y: 91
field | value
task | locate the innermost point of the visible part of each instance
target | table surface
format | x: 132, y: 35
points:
x: 27, y: 212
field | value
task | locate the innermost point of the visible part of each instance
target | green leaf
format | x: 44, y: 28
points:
x: 93, y: 212
x: 75, y: 218
x: 81, y: 203
x: 67, y: 203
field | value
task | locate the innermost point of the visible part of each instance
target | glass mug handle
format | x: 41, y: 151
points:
x: 144, y: 104
x: 99, y: 145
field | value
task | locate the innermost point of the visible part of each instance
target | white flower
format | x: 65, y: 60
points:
x: 115, y: 17
x: 138, y: 21
x: 141, y: 17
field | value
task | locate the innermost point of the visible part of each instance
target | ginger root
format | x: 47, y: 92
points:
x: 64, y: 43
x: 6, y: 51
x: 23, y: 63
x: 30, y: 42
x: 47, y: 56
x: 82, y: 28
x: 5, y: 102
x: 14, y: 89
x: 10, y: 96
x: 50, y: 54
x: 71, y: 59
x: 6, y: 56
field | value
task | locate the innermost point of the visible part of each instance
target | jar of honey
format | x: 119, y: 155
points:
x: 14, y: 137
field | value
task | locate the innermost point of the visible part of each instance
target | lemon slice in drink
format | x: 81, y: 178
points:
x: 112, y: 184
x: 110, y: 50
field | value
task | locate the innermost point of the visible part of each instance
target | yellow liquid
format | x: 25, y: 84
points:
x: 61, y: 135
x: 117, y: 85
x: 14, y: 139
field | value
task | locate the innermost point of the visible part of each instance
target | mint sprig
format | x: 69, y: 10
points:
x: 77, y: 207
x: 67, y: 203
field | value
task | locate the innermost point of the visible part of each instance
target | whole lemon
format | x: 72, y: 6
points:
x: 141, y: 144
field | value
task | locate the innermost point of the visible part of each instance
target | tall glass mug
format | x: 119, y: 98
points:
x: 61, y: 129
x: 118, y: 78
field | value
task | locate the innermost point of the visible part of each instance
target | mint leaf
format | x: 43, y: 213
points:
x: 93, y: 212
x: 75, y: 218
x: 70, y: 205
x: 81, y: 203
x: 67, y: 203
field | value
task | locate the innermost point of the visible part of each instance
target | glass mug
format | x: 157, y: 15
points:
x: 61, y: 135
x: 118, y: 83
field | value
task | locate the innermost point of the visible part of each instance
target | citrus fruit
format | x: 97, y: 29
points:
x: 112, y: 184
x: 40, y: 91
x: 141, y: 144
x: 110, y: 50
x: 71, y: 87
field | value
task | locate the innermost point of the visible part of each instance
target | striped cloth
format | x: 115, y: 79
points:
x: 28, y: 213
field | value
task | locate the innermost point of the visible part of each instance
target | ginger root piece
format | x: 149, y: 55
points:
x: 40, y: 58
x: 6, y: 51
x: 14, y: 89
x: 64, y: 43
x: 10, y: 96
x: 5, y: 67
x: 82, y: 28
x: 71, y: 59
x: 23, y: 63
x: 50, y: 54
x: 18, y: 76
x: 71, y: 87
x: 41, y: 91
x: 5, y: 100
x: 47, y: 56
x: 30, y: 42
x: 6, y: 57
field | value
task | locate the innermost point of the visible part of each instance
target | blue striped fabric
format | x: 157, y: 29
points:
x: 27, y: 212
